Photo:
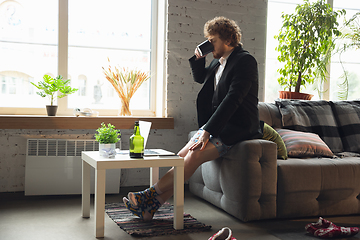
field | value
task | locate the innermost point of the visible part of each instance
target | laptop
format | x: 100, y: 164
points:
x: 145, y: 131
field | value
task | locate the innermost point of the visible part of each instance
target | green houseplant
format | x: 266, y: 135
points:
x: 107, y: 136
x: 49, y: 88
x: 305, y: 40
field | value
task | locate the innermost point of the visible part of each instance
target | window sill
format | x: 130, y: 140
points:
x: 72, y: 122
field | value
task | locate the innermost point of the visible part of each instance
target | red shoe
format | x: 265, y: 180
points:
x: 325, y: 229
x: 223, y: 234
x: 334, y: 231
x: 321, y: 223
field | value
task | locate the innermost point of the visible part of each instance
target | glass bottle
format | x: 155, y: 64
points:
x: 136, y: 143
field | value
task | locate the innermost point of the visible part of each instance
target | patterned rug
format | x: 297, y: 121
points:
x: 162, y: 223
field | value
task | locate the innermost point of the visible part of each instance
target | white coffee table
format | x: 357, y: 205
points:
x: 100, y: 164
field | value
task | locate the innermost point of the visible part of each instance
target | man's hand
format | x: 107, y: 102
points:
x: 197, y: 54
x: 202, y: 141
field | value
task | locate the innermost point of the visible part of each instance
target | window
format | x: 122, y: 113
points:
x: 274, y: 23
x: 81, y: 86
x: 34, y: 42
x: 349, y: 59
x: 27, y: 50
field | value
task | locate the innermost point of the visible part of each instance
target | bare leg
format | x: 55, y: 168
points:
x: 192, y: 160
x: 137, y: 198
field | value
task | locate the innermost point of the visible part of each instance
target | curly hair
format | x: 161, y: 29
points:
x: 226, y: 28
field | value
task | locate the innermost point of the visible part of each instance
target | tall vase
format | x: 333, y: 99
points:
x: 125, y: 107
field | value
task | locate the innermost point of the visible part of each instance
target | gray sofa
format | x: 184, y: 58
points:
x: 251, y: 183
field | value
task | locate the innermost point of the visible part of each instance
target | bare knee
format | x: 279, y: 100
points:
x: 198, y: 157
x: 192, y: 156
x: 184, y: 151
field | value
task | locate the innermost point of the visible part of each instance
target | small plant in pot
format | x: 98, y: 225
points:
x: 49, y: 87
x: 107, y: 136
x: 305, y: 40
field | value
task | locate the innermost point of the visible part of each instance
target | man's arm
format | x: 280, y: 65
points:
x: 198, y: 69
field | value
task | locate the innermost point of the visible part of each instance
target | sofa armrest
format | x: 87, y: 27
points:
x: 242, y: 182
x: 253, y: 163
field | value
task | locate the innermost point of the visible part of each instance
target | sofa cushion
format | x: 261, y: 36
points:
x: 347, y: 115
x: 271, y: 135
x: 303, y: 144
x: 318, y: 187
x: 269, y: 113
x: 311, y: 116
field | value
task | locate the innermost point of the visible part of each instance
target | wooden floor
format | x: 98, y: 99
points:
x: 59, y: 217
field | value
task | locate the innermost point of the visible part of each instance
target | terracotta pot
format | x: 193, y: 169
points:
x: 294, y: 95
x: 51, y: 110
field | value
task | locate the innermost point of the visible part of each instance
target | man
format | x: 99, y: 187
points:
x: 226, y: 107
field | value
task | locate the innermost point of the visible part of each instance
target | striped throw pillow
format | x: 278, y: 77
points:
x: 304, y: 144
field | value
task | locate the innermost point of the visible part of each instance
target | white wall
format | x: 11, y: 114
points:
x: 186, y: 19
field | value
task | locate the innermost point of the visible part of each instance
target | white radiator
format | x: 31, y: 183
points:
x: 54, y: 167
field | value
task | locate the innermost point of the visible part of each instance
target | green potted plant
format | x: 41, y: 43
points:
x: 305, y: 39
x: 107, y: 136
x: 49, y: 88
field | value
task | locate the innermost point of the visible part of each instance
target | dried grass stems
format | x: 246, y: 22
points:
x: 125, y: 81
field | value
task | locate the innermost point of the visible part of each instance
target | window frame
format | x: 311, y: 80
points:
x: 157, y: 66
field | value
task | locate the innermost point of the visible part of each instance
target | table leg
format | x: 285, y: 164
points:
x: 154, y: 175
x: 99, y: 202
x: 179, y: 197
x: 85, y: 190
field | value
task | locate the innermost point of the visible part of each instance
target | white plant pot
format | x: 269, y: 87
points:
x: 107, y: 150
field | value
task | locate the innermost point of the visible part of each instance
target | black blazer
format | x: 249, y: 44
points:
x: 231, y: 111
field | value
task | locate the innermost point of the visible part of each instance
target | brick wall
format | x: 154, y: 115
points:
x: 186, y: 19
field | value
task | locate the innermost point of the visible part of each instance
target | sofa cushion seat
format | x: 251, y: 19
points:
x: 318, y: 187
